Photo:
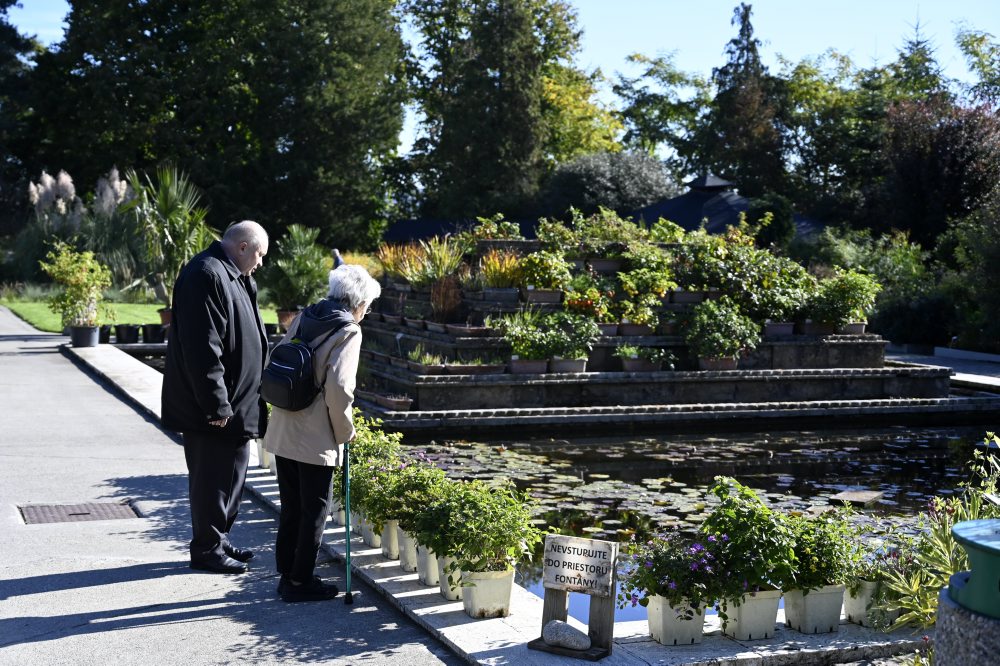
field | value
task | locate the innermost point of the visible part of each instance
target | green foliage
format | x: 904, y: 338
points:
x: 442, y: 255
x: 757, y: 543
x: 825, y: 552
x: 484, y: 527
x: 605, y: 234
x: 772, y: 217
x: 719, y: 330
x: 847, y: 296
x: 415, y: 487
x: 172, y: 224
x: 500, y: 269
x: 495, y: 228
x: 684, y: 573
x: 643, y: 310
x: 936, y: 554
x: 665, y: 231
x: 544, y: 270
x: 576, y: 121
x: 556, y: 236
x: 651, y: 354
x: 83, y: 280
x: 298, y: 276
x: 576, y: 335
x: 617, y: 181
x: 590, y: 301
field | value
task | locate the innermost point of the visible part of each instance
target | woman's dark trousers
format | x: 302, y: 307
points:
x: 303, y: 489
x: 217, y: 470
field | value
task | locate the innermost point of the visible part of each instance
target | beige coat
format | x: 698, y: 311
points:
x: 316, y: 434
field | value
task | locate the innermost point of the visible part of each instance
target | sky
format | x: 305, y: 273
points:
x: 696, y: 31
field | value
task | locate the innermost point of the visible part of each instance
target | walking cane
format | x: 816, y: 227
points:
x: 348, y: 597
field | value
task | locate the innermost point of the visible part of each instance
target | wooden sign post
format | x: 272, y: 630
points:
x: 572, y: 564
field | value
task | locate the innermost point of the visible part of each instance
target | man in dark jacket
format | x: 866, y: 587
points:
x: 211, y: 386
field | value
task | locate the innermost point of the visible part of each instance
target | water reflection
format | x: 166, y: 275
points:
x: 612, y: 489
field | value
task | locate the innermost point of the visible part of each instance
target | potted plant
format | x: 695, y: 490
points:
x: 543, y: 276
x: 83, y: 280
x: 868, y: 597
x: 485, y: 530
x: 643, y: 359
x: 782, y: 288
x: 531, y: 347
x: 718, y: 332
x: 373, y: 454
x: 755, y: 558
x: 415, y: 487
x: 572, y: 344
x: 500, y: 271
x: 475, y: 366
x: 824, y: 558
x: 846, y: 298
x: 299, y: 274
x: 435, y: 527
x: 639, y: 316
x: 423, y: 362
x: 675, y: 580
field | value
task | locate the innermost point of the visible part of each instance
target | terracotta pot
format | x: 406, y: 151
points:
x: 166, y: 316
x: 286, y: 317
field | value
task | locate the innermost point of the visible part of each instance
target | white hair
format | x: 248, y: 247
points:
x: 352, y: 285
x: 248, y: 231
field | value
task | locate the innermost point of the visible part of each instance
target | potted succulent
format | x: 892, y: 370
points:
x: 844, y: 299
x: 718, y: 333
x: 675, y: 580
x: 543, y: 276
x: 824, y: 558
x: 83, y: 280
x: 422, y: 362
x: 755, y: 558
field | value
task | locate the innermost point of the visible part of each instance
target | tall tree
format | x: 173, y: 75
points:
x: 982, y: 53
x: 741, y: 140
x: 281, y: 110
x: 15, y: 51
x: 480, y: 87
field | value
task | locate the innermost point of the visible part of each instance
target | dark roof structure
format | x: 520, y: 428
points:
x: 710, y: 198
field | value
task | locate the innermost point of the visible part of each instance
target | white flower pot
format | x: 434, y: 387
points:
x: 407, y: 550
x: 489, y: 593
x: 390, y: 544
x: 272, y: 464
x: 369, y: 536
x: 756, y: 616
x: 668, y: 625
x: 817, y: 612
x: 263, y: 457
x: 856, y: 605
x: 337, y: 512
x: 427, y: 566
x: 448, y: 591
x: 356, y: 521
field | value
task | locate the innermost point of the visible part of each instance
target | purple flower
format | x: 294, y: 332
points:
x: 634, y: 599
x: 694, y: 566
x: 671, y: 585
x: 649, y: 564
x: 711, y: 538
x: 697, y: 548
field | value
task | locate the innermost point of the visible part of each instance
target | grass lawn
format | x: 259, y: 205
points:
x: 37, y: 314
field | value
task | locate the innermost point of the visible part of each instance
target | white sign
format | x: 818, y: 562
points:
x: 579, y: 565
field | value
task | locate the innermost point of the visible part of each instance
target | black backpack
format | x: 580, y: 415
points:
x: 288, y: 381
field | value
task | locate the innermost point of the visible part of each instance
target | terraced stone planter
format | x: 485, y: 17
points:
x: 774, y: 329
x: 541, y: 295
x: 718, y: 363
x: 625, y: 328
x: 526, y: 366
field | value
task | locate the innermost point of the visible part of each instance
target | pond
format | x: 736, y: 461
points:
x: 612, y: 488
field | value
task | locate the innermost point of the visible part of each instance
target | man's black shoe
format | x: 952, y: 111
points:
x: 283, y: 584
x: 239, y: 554
x: 224, y: 565
x: 314, y: 590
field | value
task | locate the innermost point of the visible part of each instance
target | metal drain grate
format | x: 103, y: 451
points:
x: 71, y: 513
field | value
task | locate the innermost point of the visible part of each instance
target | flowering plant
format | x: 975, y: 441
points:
x: 759, y: 548
x: 684, y: 573
x: 592, y: 302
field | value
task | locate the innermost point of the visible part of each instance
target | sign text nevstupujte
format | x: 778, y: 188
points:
x: 579, y: 565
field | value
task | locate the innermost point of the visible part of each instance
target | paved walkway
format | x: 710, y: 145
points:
x: 97, y: 592
x: 120, y: 591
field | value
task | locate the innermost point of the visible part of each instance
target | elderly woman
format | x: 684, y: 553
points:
x: 307, y: 444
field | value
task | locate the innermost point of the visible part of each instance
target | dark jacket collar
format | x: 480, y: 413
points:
x: 216, y: 250
x: 323, y: 316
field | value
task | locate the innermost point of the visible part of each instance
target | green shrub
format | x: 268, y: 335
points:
x: 718, y: 329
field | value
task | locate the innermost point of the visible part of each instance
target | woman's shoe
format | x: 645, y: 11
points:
x: 314, y: 590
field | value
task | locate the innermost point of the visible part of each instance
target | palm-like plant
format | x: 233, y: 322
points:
x: 298, y: 276
x: 172, y: 223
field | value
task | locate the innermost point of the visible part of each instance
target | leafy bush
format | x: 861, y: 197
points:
x: 500, y: 269
x: 685, y: 573
x: 825, y: 553
x: 544, y: 270
x: 718, y: 329
x: 847, y: 296
x: 578, y: 335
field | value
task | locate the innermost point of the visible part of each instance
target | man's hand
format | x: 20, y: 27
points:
x: 221, y: 422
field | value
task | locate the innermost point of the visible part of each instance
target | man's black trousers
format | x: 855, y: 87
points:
x: 303, y: 489
x: 217, y: 470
